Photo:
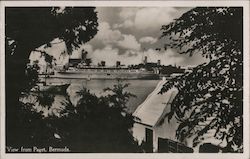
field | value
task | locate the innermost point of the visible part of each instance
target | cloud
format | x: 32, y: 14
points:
x: 129, y: 42
x: 88, y: 48
x: 148, y: 39
x: 133, y: 57
x: 127, y: 18
x: 106, y: 34
x: 153, y: 18
x: 57, y: 50
x: 126, y: 24
x: 127, y: 13
x: 77, y: 54
x: 167, y: 57
x: 115, y: 38
x: 148, y: 19
x: 108, y: 54
x: 123, y: 31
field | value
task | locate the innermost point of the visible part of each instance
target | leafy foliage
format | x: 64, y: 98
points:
x: 118, y: 96
x: 102, y: 122
x: 26, y: 30
x: 95, y: 124
x: 32, y: 73
x: 74, y: 25
x: 211, y: 96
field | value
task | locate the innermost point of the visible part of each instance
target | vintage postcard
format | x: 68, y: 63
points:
x: 124, y: 79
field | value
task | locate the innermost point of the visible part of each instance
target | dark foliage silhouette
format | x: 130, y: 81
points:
x: 95, y: 124
x: 100, y: 124
x: 27, y: 29
x: 211, y: 96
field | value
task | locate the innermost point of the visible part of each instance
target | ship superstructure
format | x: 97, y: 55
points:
x: 105, y: 73
x: 82, y: 69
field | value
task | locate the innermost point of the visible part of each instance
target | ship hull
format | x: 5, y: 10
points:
x: 107, y: 75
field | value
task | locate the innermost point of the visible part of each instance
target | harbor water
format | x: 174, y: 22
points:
x: 140, y: 88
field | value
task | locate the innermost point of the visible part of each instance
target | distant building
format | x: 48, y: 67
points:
x: 74, y: 62
x: 168, y: 70
x: 188, y: 68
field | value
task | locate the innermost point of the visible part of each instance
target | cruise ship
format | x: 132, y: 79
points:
x: 81, y: 69
x: 105, y: 73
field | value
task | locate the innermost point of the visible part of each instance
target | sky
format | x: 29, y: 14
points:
x: 128, y: 34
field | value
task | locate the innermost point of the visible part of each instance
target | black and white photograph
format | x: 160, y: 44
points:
x: 105, y: 79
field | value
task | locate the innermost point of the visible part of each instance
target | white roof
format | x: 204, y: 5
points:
x: 155, y: 106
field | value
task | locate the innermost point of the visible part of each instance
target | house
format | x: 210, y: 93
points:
x: 149, y: 125
x: 153, y: 129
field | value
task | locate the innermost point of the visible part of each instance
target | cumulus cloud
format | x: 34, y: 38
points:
x: 108, y: 54
x: 106, y: 34
x: 148, y: 39
x: 77, y: 54
x: 126, y: 24
x: 129, y: 42
x: 124, y: 31
x: 133, y: 57
x: 88, y: 48
x: 127, y: 13
x: 153, y: 18
x: 147, y: 18
x: 57, y: 50
x: 167, y: 57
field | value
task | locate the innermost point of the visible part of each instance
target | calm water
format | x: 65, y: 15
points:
x: 140, y: 88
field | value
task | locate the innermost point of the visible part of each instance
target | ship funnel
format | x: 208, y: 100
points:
x: 158, y: 62
x: 103, y: 63
x: 118, y: 63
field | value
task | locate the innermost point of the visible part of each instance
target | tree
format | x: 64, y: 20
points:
x: 94, y: 124
x: 26, y: 30
x: 211, y: 96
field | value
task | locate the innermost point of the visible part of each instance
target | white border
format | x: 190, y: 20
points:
x: 244, y: 4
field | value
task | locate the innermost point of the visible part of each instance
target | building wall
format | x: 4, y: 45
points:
x: 165, y: 130
x: 139, y: 132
